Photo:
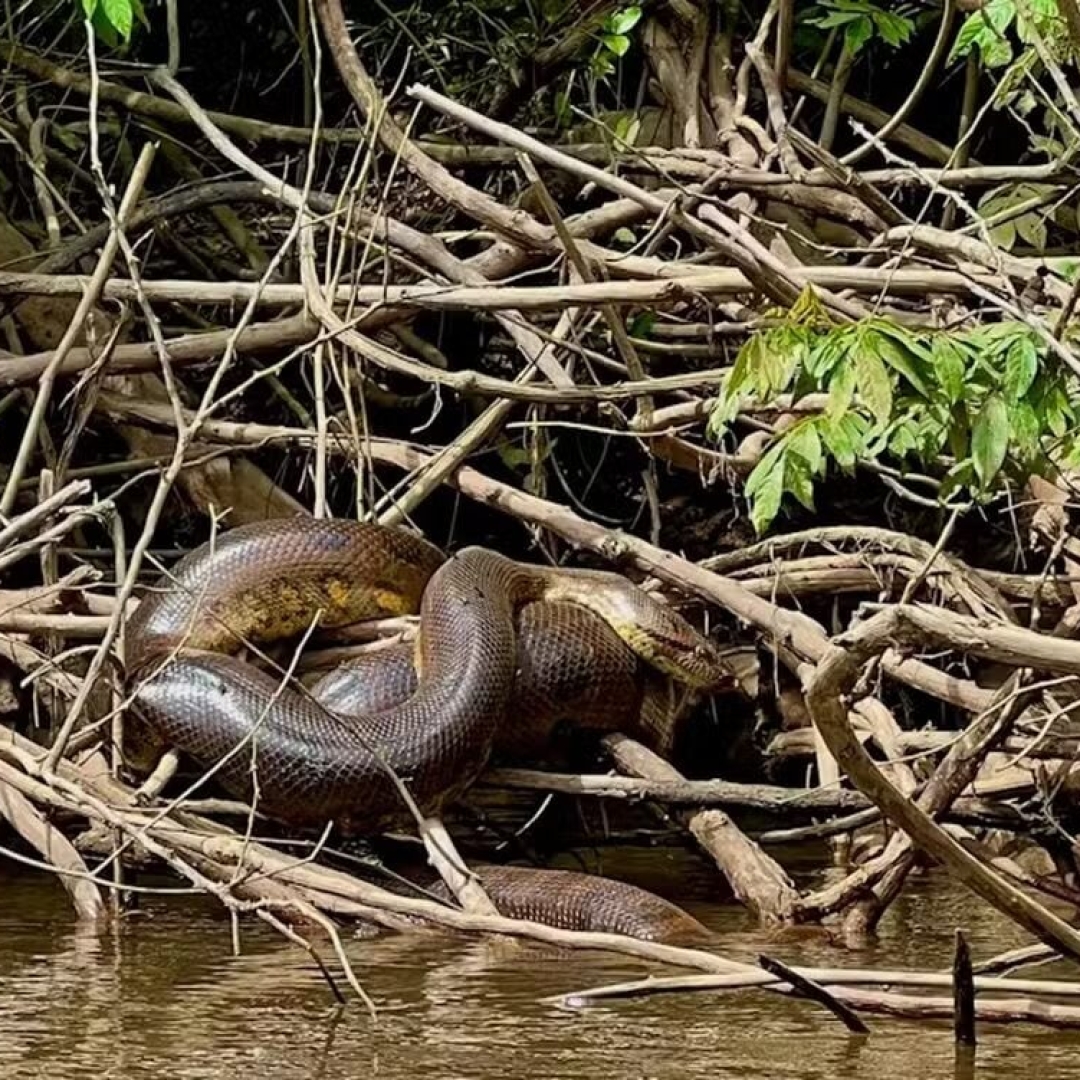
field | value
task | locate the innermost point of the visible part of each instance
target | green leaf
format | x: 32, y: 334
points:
x: 875, y: 386
x: 857, y: 34
x: 970, y: 34
x: 1021, y: 367
x: 513, y: 457
x: 990, y: 439
x: 1038, y: 19
x: 104, y: 28
x: 772, y: 460
x: 949, y: 366
x: 994, y: 340
x: 781, y: 352
x: 931, y: 431
x: 1004, y: 235
x: 618, y: 44
x: 836, y: 18
x: 997, y: 53
x: 808, y: 310
x: 895, y: 349
x: 563, y: 110
x: 1012, y: 198
x: 765, y: 488
x: 748, y: 360
x: 958, y: 478
x: 626, y: 128
x: 902, y: 437
x: 798, y: 479
x: 1052, y: 148
x: 622, y: 22
x: 1069, y: 270
x: 1058, y: 410
x: 726, y: 409
x: 841, y: 391
x: 838, y: 440
x: 1025, y: 104
x: 767, y: 361
x: 958, y: 431
x: 1032, y: 228
x: 985, y: 30
x: 88, y: 7
x: 894, y: 30
x: 601, y: 66
x: 804, y: 442
x: 641, y: 326
x: 728, y: 403
x: 975, y: 393
x: 827, y: 352
x: 1026, y: 429
x: 120, y: 15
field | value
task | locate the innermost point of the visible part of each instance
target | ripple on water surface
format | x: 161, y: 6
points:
x: 166, y: 999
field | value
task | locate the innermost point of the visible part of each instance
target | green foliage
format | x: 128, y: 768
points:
x: 611, y: 41
x: 969, y: 406
x: 861, y: 21
x: 1003, y: 35
x: 113, y: 20
x: 1007, y: 203
x: 614, y: 40
x: 988, y: 29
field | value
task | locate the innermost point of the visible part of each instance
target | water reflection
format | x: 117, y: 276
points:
x: 166, y: 998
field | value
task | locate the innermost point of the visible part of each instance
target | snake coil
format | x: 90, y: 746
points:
x: 341, y: 751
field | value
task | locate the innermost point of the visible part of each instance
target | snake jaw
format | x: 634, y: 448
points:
x: 659, y: 636
x: 698, y: 666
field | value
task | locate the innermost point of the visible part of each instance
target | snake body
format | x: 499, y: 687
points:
x: 342, y: 759
x: 570, y: 665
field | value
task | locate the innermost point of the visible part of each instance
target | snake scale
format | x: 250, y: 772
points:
x: 497, y: 639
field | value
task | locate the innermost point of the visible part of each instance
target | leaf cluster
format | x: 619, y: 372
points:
x: 613, y: 41
x: 114, y: 20
x: 968, y: 406
x: 990, y: 30
x: 861, y: 21
x: 1012, y: 38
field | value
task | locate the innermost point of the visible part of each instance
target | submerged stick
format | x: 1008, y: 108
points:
x: 815, y: 992
x: 55, y: 848
x: 963, y: 994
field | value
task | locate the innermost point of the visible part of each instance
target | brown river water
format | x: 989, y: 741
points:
x: 166, y: 998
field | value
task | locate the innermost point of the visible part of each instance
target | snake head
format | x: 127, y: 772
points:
x: 662, y: 637
x: 687, y: 656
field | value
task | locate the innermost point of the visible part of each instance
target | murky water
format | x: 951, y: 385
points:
x: 165, y: 998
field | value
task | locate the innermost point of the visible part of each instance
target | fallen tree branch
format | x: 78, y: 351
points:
x: 827, y: 685
x: 756, y: 879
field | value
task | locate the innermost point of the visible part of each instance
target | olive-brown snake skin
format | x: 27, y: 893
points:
x: 433, y: 727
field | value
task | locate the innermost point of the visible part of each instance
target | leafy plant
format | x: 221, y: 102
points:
x: 1003, y: 209
x: 113, y: 20
x: 611, y: 42
x: 987, y: 29
x: 965, y: 405
x: 1003, y: 34
x: 861, y: 21
x: 614, y: 40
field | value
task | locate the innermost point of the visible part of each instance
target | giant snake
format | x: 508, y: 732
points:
x: 498, y: 640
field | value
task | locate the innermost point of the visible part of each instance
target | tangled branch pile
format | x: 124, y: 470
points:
x: 679, y: 328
